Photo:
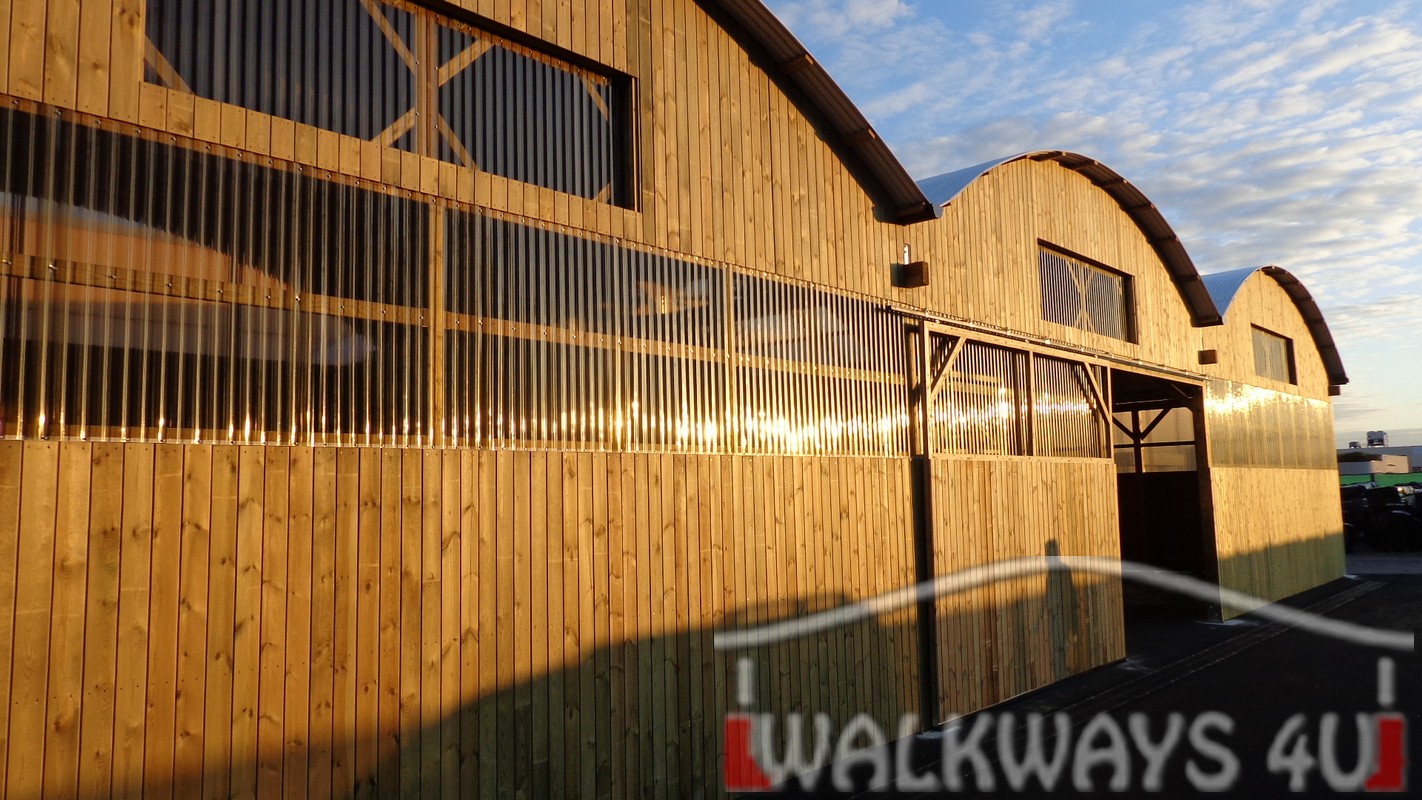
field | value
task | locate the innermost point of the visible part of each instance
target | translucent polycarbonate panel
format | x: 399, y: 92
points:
x: 817, y: 372
x: 156, y: 290
x: 1168, y: 458
x: 1067, y: 420
x: 551, y: 277
x: 552, y: 395
x: 1084, y: 295
x: 403, y: 76
x: 1169, y: 425
x: 1257, y: 427
x: 984, y: 403
x: 570, y: 341
x: 1123, y: 420
x: 1273, y: 355
x: 327, y: 64
x: 160, y: 289
x: 797, y: 413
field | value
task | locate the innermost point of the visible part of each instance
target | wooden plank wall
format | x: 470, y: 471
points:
x: 197, y: 620
x: 1015, y: 636
x: 1277, y: 531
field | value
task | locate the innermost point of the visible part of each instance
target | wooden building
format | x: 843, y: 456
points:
x: 1270, y: 433
x: 396, y: 397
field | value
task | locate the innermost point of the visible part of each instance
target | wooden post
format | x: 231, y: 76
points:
x: 921, y: 398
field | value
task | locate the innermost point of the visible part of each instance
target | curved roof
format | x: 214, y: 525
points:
x: 942, y: 190
x: 1224, y: 286
x: 851, y: 133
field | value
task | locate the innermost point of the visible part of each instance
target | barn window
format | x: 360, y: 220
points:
x: 1084, y: 295
x: 406, y: 78
x: 1273, y: 356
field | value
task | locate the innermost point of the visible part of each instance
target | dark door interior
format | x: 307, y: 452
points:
x: 1160, y: 481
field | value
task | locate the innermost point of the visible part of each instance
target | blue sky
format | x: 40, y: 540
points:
x: 1280, y: 132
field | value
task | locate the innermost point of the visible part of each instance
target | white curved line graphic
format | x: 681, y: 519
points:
x: 975, y: 577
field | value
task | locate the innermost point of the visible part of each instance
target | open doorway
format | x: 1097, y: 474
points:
x: 1161, y: 486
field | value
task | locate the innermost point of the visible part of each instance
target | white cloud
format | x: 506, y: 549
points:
x: 838, y: 18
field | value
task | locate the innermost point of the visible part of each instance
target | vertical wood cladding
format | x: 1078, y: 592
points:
x: 359, y: 621
x: 1274, y: 476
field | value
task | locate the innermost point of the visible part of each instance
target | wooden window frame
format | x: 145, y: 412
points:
x: 1290, y: 364
x: 1128, y: 291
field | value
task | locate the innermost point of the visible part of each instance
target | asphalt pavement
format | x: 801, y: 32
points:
x: 1249, y: 708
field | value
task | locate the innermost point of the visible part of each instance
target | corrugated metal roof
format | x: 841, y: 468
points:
x: 1225, y: 286
x: 943, y: 189
x: 898, y: 195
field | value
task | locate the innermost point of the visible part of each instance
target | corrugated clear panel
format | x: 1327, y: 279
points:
x: 1220, y: 408
x: 1106, y: 301
x: 609, y: 314
x: 1324, y: 456
x: 548, y: 422
x: 629, y: 386
x: 978, y: 409
x: 1066, y: 422
x: 1169, y: 458
x: 1287, y: 436
x: 761, y: 343
x: 777, y: 384
x: 777, y: 422
x: 659, y: 397
x: 1263, y: 444
x: 753, y: 392
x: 829, y: 403
x: 803, y: 331
x: 211, y: 295
x: 495, y: 343
x: 640, y: 403
x: 1218, y: 411
x: 576, y: 377
x: 671, y: 288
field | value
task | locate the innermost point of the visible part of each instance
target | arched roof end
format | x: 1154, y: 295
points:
x: 942, y: 190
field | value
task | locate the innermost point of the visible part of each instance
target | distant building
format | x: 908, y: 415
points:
x: 1412, y: 453
x: 1376, y: 464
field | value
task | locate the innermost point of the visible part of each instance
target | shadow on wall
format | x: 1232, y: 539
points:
x: 645, y: 718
